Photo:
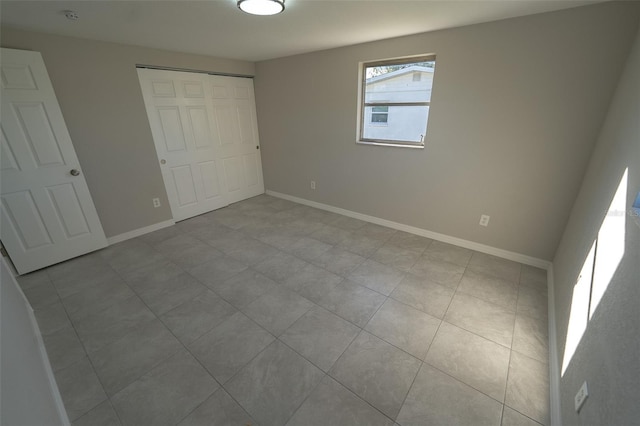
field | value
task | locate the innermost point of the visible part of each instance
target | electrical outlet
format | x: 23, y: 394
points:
x: 156, y: 202
x: 313, y: 184
x: 484, y: 220
x: 581, y: 396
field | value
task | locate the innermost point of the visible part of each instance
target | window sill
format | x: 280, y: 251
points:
x: 392, y: 144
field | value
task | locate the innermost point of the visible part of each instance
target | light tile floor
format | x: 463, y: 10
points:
x: 269, y: 312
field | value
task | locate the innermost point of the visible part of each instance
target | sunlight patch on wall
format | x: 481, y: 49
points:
x: 579, y: 315
x: 610, y: 248
x: 597, y: 271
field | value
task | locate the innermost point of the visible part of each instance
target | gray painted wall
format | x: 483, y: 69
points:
x: 608, y: 355
x: 97, y: 86
x: 516, y: 108
x: 28, y: 392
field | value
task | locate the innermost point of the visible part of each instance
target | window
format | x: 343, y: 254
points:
x: 395, y: 101
x: 380, y: 115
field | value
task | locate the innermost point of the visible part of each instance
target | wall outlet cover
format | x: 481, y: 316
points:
x: 581, y: 396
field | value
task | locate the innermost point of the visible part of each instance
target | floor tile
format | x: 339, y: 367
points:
x: 438, y: 399
x: 42, y: 295
x: 400, y: 258
x: 177, y: 243
x: 449, y: 253
x: 353, y: 302
x: 245, y: 287
x: 156, y: 237
x: 245, y: 249
x: 241, y: 338
x: 195, y: 255
x: 332, y: 404
x: 438, y: 271
x: 165, y: 294
x: 161, y: 270
x: 80, y: 388
x: 280, y: 267
x: 330, y: 235
x: 195, y: 224
x: 96, y: 296
x: 532, y: 302
x: 217, y: 270
x: 308, y: 248
x: 63, y: 348
x: 51, y: 318
x: 409, y: 241
x: 360, y: 244
x: 130, y: 255
x: 377, y: 232
x: 125, y: 360
x: 274, y: 384
x: 33, y: 279
x: 376, y: 276
x: 106, y: 326
x: 197, y: 316
x: 277, y: 309
x: 422, y: 294
x: 528, y: 387
x: 348, y: 223
x: 312, y: 282
x: 490, y: 289
x: 101, y: 415
x: 320, y: 336
x: 495, y: 266
x: 483, y: 318
x: 533, y: 277
x: 338, y: 261
x: 219, y: 410
x: 78, y: 268
x: 377, y: 372
x: 476, y: 361
x: 404, y: 327
x: 530, y: 337
x: 165, y: 394
x: 511, y: 417
x: 89, y: 278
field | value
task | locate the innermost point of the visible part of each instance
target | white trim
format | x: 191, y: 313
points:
x: 505, y: 254
x: 44, y: 358
x: 554, y: 370
x: 140, y: 231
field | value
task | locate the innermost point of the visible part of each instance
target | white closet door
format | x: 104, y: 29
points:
x: 239, y: 148
x: 180, y: 113
x: 206, y: 136
x: 47, y: 214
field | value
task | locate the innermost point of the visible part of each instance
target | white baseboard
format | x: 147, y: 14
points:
x: 554, y: 367
x: 505, y: 254
x: 140, y: 231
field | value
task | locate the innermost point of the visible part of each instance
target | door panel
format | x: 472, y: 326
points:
x: 238, y: 133
x: 47, y: 214
x: 203, y: 128
x: 69, y: 212
x: 172, y: 131
x: 19, y: 210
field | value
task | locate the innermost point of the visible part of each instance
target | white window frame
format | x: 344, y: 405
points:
x: 362, y: 105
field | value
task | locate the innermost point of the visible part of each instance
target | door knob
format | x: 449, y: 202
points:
x: 163, y: 161
x: 74, y: 172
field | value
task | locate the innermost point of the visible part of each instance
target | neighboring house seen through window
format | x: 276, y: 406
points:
x: 395, y: 102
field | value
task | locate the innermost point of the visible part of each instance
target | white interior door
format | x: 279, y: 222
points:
x: 239, y: 148
x: 180, y: 115
x: 47, y: 214
x: 206, y: 136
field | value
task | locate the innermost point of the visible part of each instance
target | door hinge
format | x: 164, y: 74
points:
x: 3, y: 252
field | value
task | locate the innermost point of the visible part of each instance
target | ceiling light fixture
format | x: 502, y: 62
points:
x: 261, y: 7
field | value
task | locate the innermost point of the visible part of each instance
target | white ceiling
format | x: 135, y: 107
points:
x: 219, y: 28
